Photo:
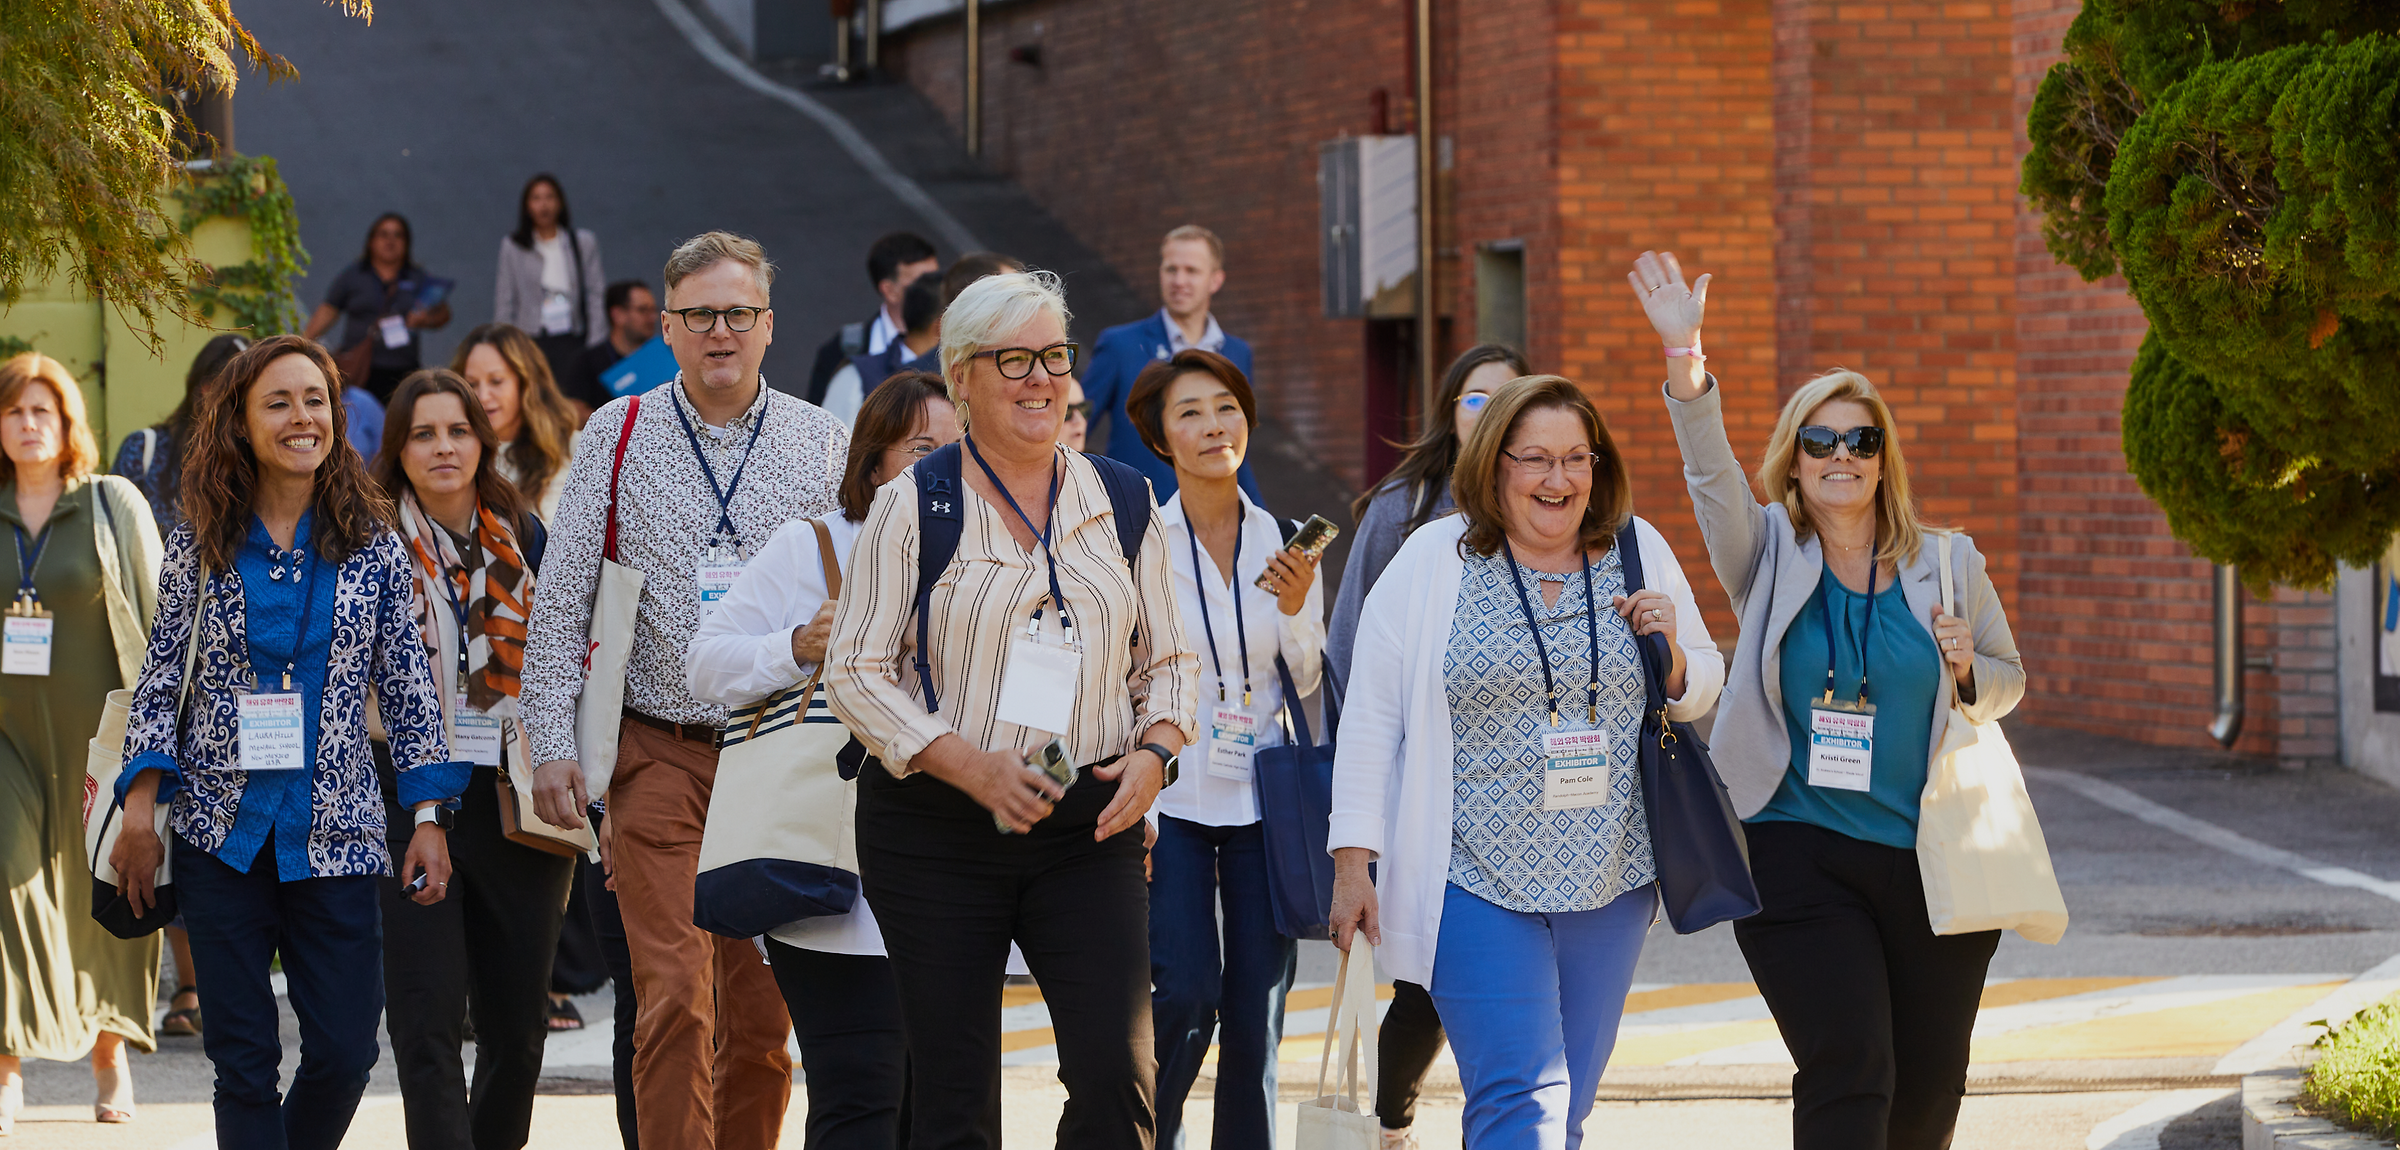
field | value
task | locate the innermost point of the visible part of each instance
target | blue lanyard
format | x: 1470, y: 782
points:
x: 1240, y: 632
x: 724, y: 494
x: 1057, y: 594
x: 27, y: 562
x: 1864, y: 640
x: 458, y: 607
x: 308, y: 606
x: 1591, y: 620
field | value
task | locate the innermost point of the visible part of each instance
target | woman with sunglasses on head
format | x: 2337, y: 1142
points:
x: 1832, y: 719
x: 768, y: 634
x: 1416, y: 491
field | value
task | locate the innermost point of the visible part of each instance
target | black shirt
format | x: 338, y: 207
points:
x: 582, y: 380
x: 363, y: 298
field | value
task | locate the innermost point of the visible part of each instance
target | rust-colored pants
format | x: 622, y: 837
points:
x: 703, y: 1077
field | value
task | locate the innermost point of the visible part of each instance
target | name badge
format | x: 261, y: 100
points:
x: 558, y: 314
x: 1037, y: 691
x: 394, y: 329
x: 1575, y: 769
x: 716, y: 578
x: 274, y: 733
x: 1232, y: 740
x: 1841, y: 745
x: 27, y: 647
x: 474, y: 735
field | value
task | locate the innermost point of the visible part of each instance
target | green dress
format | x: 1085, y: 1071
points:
x: 63, y: 979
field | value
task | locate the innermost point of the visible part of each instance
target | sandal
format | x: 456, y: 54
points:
x: 116, y: 1095
x: 564, y: 1016
x: 12, y: 1099
x: 184, y: 1021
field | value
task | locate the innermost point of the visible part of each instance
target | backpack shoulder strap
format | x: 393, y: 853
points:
x: 941, y: 495
x: 1129, y: 497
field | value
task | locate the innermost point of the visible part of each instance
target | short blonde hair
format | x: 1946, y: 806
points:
x: 1900, y: 532
x: 706, y: 250
x: 1216, y: 247
x: 986, y: 311
x: 78, y: 454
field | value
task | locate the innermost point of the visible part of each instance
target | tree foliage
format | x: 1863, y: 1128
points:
x: 89, y: 91
x: 2238, y: 163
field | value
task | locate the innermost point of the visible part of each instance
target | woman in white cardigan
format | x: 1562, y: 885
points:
x: 1488, y: 760
x: 1850, y: 682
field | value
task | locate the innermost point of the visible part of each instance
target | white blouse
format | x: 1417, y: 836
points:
x: 1197, y: 795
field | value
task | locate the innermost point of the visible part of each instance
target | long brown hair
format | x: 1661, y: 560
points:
x: 1426, y: 466
x: 399, y: 417
x: 78, y: 454
x: 220, y: 475
x: 883, y: 421
x: 1476, y: 483
x: 545, y: 421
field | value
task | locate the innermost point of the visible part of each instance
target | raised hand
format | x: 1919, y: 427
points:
x: 1673, y: 306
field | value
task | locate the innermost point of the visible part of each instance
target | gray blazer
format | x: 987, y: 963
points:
x: 1770, y: 574
x: 517, y: 296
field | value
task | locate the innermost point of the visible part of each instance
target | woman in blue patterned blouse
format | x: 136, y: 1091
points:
x: 1487, y: 759
x: 278, y: 821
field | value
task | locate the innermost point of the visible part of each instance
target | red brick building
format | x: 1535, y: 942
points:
x: 1848, y: 172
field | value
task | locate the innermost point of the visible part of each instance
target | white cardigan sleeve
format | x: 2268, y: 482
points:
x: 1703, y: 664
x: 1368, y: 755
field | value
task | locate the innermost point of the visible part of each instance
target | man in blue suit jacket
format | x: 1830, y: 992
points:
x: 1191, y: 270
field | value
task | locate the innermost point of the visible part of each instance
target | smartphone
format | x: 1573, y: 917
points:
x: 1050, y: 759
x: 1311, y: 540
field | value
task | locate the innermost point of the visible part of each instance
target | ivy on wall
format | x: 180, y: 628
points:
x: 257, y: 293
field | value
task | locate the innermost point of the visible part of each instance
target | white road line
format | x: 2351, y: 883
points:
x: 2139, y: 1128
x: 2202, y: 831
x: 853, y: 141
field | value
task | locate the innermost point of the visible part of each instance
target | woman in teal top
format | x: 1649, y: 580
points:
x: 1902, y: 666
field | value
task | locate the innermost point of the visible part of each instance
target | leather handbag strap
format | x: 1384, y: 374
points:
x: 826, y: 559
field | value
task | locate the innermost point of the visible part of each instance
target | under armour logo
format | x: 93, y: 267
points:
x: 941, y: 507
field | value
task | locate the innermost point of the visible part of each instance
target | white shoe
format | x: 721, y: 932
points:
x: 115, y: 1104
x: 12, y: 1099
x: 1405, y: 1139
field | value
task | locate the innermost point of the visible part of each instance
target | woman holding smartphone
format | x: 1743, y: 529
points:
x: 1254, y: 609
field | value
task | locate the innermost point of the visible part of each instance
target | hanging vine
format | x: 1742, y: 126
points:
x: 256, y: 294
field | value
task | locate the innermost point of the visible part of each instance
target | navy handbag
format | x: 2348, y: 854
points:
x: 1696, y: 839
x: 1294, y: 784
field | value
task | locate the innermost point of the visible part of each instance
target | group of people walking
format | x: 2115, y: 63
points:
x: 371, y: 733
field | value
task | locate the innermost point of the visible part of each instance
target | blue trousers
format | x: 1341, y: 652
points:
x: 1532, y: 1003
x: 1199, y: 988
x: 330, y: 934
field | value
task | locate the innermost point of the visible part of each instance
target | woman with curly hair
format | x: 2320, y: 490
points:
x: 534, y: 420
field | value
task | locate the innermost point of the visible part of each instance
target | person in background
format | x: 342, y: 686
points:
x: 711, y: 467
x: 632, y: 322
x: 376, y: 299
x: 921, y: 310
x: 1415, y: 492
x: 1254, y: 606
x: 1191, y: 270
x: 86, y: 559
x: 535, y: 423
x: 366, y: 420
x: 279, y: 832
x: 894, y: 261
x: 1836, y: 586
x: 549, y: 282
x: 1498, y: 654
x: 482, y: 954
x: 950, y: 890
x: 1078, y: 423
x: 766, y: 635
x: 151, y: 457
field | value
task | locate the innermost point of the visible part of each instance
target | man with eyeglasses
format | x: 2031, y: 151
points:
x: 1191, y: 270
x: 687, y: 481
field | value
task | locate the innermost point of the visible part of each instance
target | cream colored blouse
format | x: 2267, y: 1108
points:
x: 1136, y: 668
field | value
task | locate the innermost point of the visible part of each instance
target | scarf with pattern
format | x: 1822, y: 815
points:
x: 496, y: 588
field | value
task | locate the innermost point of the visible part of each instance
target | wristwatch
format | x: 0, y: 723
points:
x: 1165, y: 756
x: 438, y: 815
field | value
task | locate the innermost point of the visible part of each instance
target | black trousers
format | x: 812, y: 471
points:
x: 845, y: 1012
x: 608, y: 926
x: 1405, y: 1048
x: 579, y: 967
x: 1876, y: 1008
x: 951, y: 893
x: 484, y: 950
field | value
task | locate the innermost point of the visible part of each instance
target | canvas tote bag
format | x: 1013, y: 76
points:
x: 600, y: 710
x: 104, y: 760
x: 1346, y: 1121
x: 779, y: 845
x: 1985, y: 863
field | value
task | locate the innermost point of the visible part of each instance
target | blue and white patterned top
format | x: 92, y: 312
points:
x: 1504, y: 848
x: 327, y: 820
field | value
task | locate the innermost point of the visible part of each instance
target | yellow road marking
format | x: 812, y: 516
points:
x: 1688, y: 994
x: 2206, y: 1030
x: 1661, y: 1049
x: 2023, y: 990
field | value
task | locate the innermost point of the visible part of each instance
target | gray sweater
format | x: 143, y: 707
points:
x: 1379, y: 537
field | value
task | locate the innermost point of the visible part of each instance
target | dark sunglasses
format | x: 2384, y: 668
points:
x: 1863, y: 442
x: 1080, y: 409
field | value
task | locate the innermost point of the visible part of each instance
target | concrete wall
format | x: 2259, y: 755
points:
x: 2370, y: 738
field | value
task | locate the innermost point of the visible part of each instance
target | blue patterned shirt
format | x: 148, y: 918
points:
x: 1504, y: 848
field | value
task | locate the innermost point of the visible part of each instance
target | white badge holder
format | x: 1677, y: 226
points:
x: 394, y: 330
x: 27, y: 644
x: 273, y: 732
x: 1574, y: 769
x: 1841, y: 744
x: 474, y: 735
x: 1037, y: 690
x: 1232, y: 741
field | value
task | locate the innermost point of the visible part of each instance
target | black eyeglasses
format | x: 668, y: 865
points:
x: 702, y: 320
x: 1863, y: 442
x: 1017, y: 362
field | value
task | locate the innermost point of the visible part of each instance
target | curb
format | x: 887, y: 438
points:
x: 2270, y: 1120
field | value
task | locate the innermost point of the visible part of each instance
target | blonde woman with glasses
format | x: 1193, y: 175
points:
x: 1830, y: 724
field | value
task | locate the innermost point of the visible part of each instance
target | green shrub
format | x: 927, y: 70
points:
x: 2356, y: 1081
x: 2235, y: 495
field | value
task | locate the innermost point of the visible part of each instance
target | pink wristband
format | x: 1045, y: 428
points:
x: 1679, y: 352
